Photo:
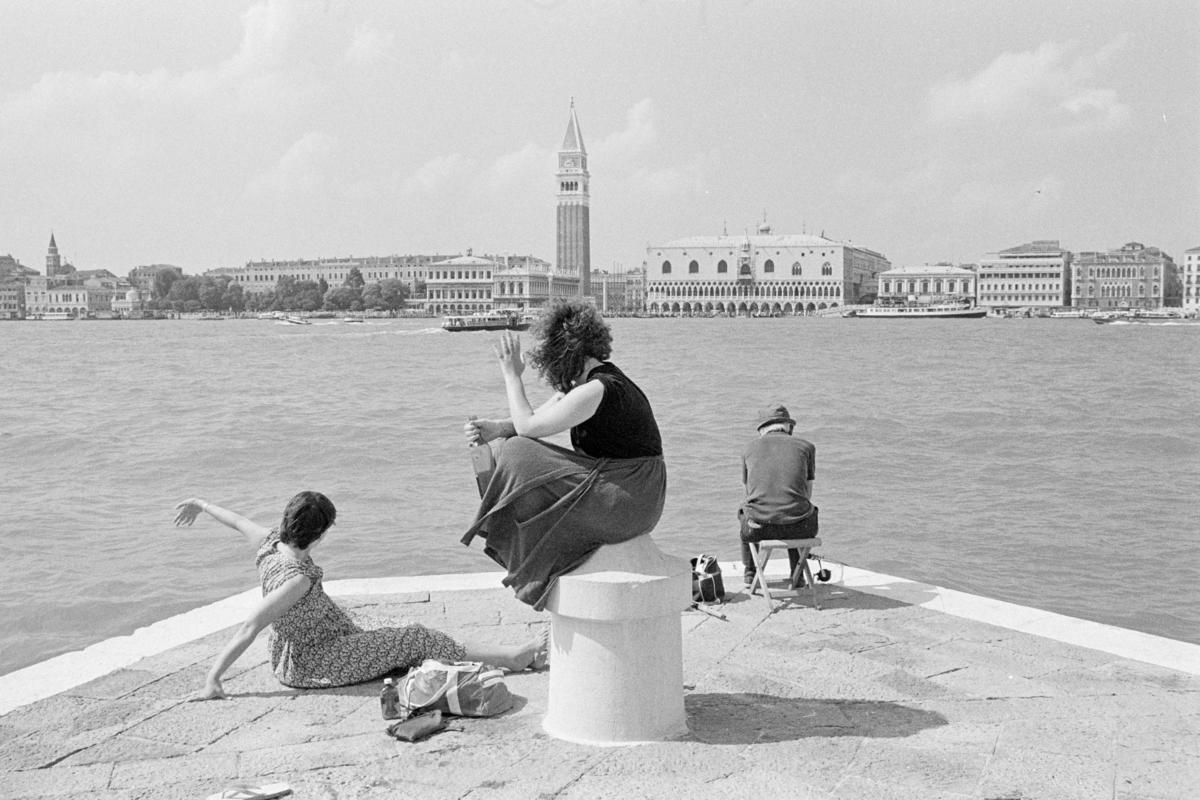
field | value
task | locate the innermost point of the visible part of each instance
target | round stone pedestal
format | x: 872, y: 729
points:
x: 616, y: 647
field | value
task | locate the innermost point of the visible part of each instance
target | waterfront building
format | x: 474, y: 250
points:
x: 104, y: 288
x: 132, y: 304
x: 526, y: 283
x: 574, y: 250
x: 927, y: 284
x: 1033, y: 275
x: 1131, y: 276
x: 12, y: 299
x: 47, y: 300
x: 761, y: 273
x: 608, y: 291
x: 460, y: 285
x: 635, y: 291
x: 262, y: 276
x: 1191, y: 280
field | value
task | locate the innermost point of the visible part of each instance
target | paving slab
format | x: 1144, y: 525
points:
x: 891, y: 691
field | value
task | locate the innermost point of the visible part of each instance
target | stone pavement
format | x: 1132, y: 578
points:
x: 873, y: 697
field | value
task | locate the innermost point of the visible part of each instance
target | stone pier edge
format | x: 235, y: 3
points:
x: 63, y: 672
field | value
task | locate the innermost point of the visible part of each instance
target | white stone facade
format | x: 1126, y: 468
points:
x: 758, y: 274
x: 927, y: 283
x: 1191, y: 281
x: 1033, y: 275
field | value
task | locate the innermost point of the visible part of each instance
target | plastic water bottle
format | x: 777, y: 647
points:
x: 389, y: 699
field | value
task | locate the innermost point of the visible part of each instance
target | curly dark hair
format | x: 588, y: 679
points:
x: 566, y: 334
x: 307, y: 516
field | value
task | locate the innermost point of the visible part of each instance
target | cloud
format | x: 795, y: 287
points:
x: 303, y: 169
x: 521, y: 168
x: 635, y: 139
x: 438, y: 174
x: 271, y: 69
x: 267, y: 29
x: 665, y: 181
x: 1049, y: 84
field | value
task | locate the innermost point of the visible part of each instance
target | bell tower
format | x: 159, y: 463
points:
x: 53, y: 259
x: 574, y: 251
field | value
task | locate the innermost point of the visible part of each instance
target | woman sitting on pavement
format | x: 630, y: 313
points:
x: 546, y: 508
x: 314, y: 642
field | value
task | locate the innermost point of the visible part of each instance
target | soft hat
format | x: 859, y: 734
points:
x: 774, y: 413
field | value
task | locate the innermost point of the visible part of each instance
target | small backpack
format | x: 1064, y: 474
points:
x: 462, y: 688
x: 707, y: 584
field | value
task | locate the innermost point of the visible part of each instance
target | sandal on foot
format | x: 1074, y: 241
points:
x: 265, y: 792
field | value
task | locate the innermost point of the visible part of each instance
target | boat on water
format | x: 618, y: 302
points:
x: 353, y: 319
x: 1070, y: 314
x: 1159, y: 317
x: 289, y: 319
x: 486, y: 321
x: 943, y: 310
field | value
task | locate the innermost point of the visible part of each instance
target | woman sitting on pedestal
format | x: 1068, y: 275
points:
x: 546, y: 509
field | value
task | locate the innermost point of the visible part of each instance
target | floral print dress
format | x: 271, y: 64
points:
x: 316, y: 644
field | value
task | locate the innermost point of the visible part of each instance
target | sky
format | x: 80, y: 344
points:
x: 208, y: 134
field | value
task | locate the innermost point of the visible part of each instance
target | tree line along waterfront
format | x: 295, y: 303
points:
x: 173, y: 291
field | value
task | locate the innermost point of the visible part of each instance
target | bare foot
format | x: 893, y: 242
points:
x: 534, y: 654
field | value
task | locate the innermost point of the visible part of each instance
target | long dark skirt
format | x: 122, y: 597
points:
x: 546, y: 509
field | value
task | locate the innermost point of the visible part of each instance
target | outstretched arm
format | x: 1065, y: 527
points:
x: 270, y: 608
x: 573, y: 408
x: 482, y: 431
x: 187, y: 511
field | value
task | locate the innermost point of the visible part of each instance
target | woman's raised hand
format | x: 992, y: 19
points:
x: 508, y: 351
x: 187, y: 511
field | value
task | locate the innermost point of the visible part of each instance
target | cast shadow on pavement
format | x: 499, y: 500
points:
x: 745, y: 718
x: 833, y: 595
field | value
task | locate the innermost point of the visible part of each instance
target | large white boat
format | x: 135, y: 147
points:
x: 946, y: 310
x: 486, y: 321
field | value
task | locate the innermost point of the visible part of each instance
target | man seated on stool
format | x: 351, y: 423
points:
x: 778, y: 471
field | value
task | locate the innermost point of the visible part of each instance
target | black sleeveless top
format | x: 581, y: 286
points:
x: 623, y: 426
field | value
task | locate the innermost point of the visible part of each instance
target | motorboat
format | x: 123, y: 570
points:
x: 935, y: 310
x: 1164, y: 316
x: 486, y: 321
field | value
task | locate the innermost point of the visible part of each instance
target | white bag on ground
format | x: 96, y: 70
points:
x: 462, y: 688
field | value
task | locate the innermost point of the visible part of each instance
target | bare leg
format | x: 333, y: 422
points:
x: 533, y: 654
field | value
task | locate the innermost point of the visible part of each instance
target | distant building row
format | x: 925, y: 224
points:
x: 455, y: 285
x: 766, y: 273
x: 65, y: 292
x: 762, y: 273
x: 443, y: 285
x: 1041, y: 274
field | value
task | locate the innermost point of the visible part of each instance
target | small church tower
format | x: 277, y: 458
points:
x: 574, y: 252
x: 53, y: 259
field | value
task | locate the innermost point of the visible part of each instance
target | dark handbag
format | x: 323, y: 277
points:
x: 707, y: 584
x: 418, y: 726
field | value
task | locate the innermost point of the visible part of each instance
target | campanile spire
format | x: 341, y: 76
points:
x: 574, y: 221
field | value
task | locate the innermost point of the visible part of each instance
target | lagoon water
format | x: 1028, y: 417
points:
x: 1052, y: 463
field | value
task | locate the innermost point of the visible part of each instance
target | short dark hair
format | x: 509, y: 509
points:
x: 567, y: 334
x: 307, y: 516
